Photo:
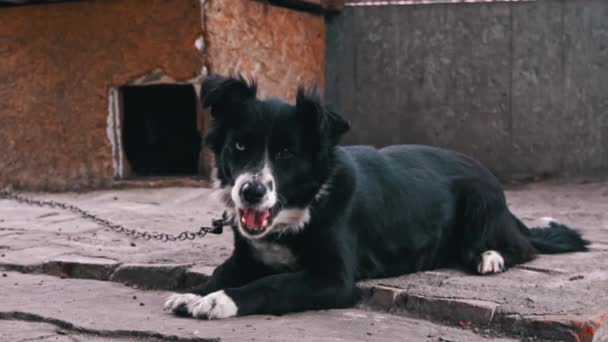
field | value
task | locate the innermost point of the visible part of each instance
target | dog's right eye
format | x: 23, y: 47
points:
x: 239, y: 146
x: 284, y: 154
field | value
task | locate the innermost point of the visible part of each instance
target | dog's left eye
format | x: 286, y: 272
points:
x: 284, y: 154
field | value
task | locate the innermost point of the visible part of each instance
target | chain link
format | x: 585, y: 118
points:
x: 216, y: 228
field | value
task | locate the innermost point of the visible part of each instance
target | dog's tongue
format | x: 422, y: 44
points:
x: 255, y: 219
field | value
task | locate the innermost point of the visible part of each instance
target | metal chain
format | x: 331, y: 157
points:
x: 216, y: 224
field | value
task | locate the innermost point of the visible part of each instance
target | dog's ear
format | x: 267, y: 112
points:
x: 329, y: 125
x: 224, y: 95
x: 220, y: 92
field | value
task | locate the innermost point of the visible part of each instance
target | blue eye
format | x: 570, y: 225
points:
x: 239, y: 146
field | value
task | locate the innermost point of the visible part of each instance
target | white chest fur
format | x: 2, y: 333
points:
x: 273, y: 254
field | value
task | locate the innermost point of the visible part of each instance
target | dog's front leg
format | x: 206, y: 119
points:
x: 276, y: 294
x: 229, y: 274
x: 233, y: 272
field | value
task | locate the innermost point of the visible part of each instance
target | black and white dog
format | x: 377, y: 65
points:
x: 312, y: 218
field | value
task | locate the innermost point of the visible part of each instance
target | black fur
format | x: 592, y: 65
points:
x: 373, y: 212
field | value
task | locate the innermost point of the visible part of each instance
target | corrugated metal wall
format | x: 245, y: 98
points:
x: 521, y: 86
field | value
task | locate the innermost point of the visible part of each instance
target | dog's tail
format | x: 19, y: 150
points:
x: 554, y: 238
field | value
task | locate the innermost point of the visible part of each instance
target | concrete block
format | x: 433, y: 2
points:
x: 80, y: 267
x: 150, y: 276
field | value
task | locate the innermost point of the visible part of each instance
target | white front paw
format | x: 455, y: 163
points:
x: 179, y: 301
x: 213, y: 306
x: 216, y: 305
x: 491, y: 262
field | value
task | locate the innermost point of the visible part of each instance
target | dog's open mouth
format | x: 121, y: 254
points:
x: 254, y: 221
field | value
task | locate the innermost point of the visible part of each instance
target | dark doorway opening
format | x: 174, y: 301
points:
x: 159, y: 132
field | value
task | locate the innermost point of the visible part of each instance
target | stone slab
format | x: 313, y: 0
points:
x: 21, y: 331
x: 76, y: 266
x: 561, y: 297
x: 113, y: 310
x: 567, y: 290
x: 27, y: 236
x: 150, y: 276
x: 557, y: 297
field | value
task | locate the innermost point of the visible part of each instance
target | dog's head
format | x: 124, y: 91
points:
x: 272, y: 157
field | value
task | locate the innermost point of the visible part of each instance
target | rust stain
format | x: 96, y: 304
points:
x: 282, y: 48
x: 464, y: 324
x: 585, y: 331
x: 601, y: 319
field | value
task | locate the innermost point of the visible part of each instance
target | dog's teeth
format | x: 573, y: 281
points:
x: 265, y: 223
x: 242, y: 219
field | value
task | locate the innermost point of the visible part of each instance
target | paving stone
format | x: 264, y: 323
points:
x: 113, y: 310
x: 554, y: 296
x: 583, y: 328
x: 535, y: 300
x: 459, y: 311
x: 31, y: 257
x: 76, y: 266
x: 150, y: 276
x: 22, y: 331
x: 33, y: 239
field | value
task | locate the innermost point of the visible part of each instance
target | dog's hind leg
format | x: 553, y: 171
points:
x: 497, y: 246
x: 490, y: 262
x: 490, y: 240
x: 496, y: 261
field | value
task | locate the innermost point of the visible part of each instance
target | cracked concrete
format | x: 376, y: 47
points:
x: 26, y: 331
x: 561, y: 297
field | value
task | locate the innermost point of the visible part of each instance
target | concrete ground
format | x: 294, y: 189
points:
x: 68, y: 279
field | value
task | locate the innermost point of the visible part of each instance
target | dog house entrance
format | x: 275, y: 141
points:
x: 160, y: 136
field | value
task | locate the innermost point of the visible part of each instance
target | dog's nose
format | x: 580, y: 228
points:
x: 253, y: 192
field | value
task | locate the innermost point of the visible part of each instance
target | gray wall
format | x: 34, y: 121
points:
x: 523, y: 87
